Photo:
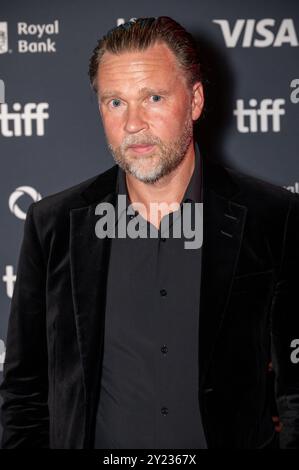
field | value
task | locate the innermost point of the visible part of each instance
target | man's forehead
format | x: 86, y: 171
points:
x: 158, y: 53
x: 147, y: 68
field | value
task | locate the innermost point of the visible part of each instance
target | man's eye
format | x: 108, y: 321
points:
x: 116, y: 102
x: 156, y: 98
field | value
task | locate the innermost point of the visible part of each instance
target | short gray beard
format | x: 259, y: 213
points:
x: 171, y: 156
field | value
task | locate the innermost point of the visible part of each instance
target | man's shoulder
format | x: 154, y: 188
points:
x: 268, y: 206
x: 261, y: 193
x: 72, y: 196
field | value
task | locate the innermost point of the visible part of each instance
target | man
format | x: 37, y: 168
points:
x: 121, y: 342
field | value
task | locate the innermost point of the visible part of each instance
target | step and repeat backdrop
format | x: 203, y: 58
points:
x: 51, y: 136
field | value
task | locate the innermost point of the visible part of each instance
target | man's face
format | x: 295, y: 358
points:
x: 144, y: 100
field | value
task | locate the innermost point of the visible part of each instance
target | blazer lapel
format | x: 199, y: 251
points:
x: 223, y: 224
x: 89, y: 256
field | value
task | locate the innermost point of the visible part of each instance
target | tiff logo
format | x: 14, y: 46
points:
x: 254, y: 33
x: 9, y: 278
x: 259, y: 118
x: 20, y: 122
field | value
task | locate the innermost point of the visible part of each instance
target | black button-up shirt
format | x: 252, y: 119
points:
x: 149, y: 384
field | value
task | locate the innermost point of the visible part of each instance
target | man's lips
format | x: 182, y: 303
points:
x: 141, y: 148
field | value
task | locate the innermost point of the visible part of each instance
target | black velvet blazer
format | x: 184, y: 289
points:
x: 249, y: 315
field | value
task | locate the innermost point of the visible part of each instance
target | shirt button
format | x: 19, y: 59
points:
x: 164, y: 349
x: 164, y: 411
x: 163, y: 292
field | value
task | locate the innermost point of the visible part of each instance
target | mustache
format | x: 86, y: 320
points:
x: 143, y: 141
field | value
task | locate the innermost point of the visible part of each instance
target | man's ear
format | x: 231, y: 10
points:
x: 197, y: 100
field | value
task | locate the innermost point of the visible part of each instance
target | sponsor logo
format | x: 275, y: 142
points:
x: 33, y: 38
x: 9, y: 278
x: 16, y: 195
x: 263, y: 117
x: 3, y: 37
x: 263, y: 33
x: 23, y: 121
x: 42, y: 44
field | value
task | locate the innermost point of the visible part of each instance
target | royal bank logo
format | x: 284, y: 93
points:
x: 19, y: 193
x: 39, y: 32
x: 32, y: 37
x: 3, y: 37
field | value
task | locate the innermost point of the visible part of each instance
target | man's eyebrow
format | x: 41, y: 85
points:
x: 143, y: 91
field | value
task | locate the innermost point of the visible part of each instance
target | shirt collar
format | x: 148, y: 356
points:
x: 194, y: 188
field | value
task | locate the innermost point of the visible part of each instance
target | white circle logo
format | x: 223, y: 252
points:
x: 20, y: 191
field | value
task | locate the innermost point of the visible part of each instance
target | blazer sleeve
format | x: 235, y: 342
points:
x: 285, y: 329
x: 25, y: 414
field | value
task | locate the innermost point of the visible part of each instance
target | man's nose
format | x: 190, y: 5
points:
x: 135, y: 120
